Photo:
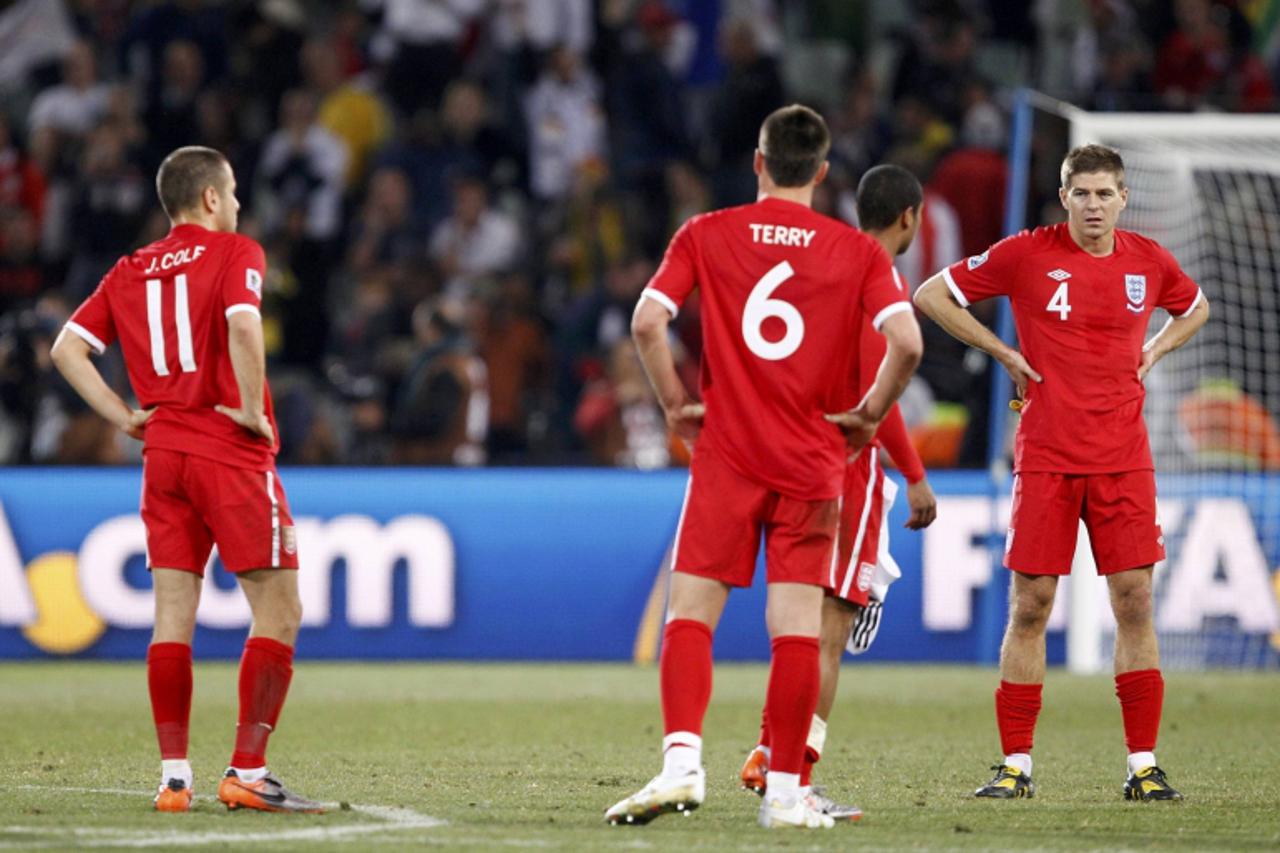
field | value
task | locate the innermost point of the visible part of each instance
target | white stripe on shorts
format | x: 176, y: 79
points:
x: 851, y: 570
x: 275, y: 520
x: 684, y: 507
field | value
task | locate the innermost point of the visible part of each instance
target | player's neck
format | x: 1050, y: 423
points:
x: 187, y: 219
x: 887, y: 242
x: 800, y: 195
x: 1098, y: 247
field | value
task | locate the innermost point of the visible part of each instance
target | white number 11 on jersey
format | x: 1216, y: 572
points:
x: 181, y: 316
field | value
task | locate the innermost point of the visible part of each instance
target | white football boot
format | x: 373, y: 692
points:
x: 775, y: 813
x: 661, y: 796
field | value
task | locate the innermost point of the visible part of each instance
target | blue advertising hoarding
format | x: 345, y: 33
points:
x: 546, y: 564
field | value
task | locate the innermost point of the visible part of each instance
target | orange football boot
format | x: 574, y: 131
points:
x: 754, y: 770
x: 173, y: 796
x: 266, y: 794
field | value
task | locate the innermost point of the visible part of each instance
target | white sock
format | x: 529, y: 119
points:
x: 681, y: 754
x: 783, y: 786
x: 1141, y: 760
x: 250, y: 774
x: 176, y: 768
x: 1020, y: 760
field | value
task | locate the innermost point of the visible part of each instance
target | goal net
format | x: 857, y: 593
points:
x: 1207, y: 187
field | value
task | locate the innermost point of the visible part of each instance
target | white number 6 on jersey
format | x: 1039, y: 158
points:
x: 760, y: 307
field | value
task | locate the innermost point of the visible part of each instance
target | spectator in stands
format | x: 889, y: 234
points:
x: 110, y: 203
x: 565, y: 125
x: 33, y: 33
x: 73, y: 107
x: 971, y: 178
x: 172, y: 111
x: 143, y: 49
x: 646, y: 113
x: 1208, y: 59
x: 441, y: 412
x: 422, y: 41
x: 513, y: 343
x: 303, y: 167
x: 752, y: 89
x: 618, y: 415
x: 22, y: 276
x: 476, y: 241
x: 22, y: 183
x: 386, y: 232
x: 349, y: 109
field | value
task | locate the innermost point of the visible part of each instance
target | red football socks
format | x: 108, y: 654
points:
x: 169, y: 682
x: 1017, y: 707
x: 791, y: 699
x: 685, y: 675
x: 1141, y: 695
x: 764, y: 728
x: 265, y: 670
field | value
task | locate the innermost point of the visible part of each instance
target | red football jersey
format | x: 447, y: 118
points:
x: 784, y: 291
x: 1081, y: 325
x: 168, y: 303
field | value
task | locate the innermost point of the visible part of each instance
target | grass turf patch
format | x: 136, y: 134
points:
x: 531, y: 755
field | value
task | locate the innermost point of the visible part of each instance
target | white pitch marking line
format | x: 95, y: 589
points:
x: 390, y: 819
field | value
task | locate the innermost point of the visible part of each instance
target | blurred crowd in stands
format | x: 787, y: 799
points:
x: 460, y: 200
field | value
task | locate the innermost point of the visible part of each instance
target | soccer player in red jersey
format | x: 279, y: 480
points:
x: 1082, y: 294
x: 784, y: 292
x: 889, y: 202
x: 185, y: 310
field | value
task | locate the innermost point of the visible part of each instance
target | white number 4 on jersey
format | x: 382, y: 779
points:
x: 1059, y: 302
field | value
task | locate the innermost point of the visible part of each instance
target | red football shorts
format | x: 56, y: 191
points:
x: 1119, y: 511
x: 724, y: 513
x: 189, y: 503
x: 862, y: 541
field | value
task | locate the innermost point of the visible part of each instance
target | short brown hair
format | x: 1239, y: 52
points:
x: 1086, y: 159
x: 184, y: 175
x: 794, y: 141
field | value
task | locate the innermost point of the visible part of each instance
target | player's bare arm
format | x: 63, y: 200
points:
x: 70, y: 355
x: 935, y: 299
x: 248, y: 360
x: 1176, y: 332
x: 905, y: 347
x: 649, y: 326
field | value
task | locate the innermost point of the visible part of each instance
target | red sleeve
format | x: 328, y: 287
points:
x: 897, y: 442
x: 242, y: 277
x: 989, y: 274
x: 92, y: 321
x: 883, y: 294
x: 1179, y: 294
x: 677, y: 276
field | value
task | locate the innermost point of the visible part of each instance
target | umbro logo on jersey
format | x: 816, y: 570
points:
x: 1059, y: 275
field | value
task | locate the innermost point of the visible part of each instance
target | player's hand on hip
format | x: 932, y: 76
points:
x: 857, y: 426
x: 137, y: 422
x: 1148, y: 361
x: 923, y: 505
x: 255, y: 423
x: 685, y: 421
x: 1020, y: 372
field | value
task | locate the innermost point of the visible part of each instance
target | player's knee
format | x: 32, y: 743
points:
x: 1030, y: 612
x: 1132, y: 606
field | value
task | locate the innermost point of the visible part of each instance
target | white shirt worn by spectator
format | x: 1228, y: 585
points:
x: 566, y: 129
x: 32, y: 32
x: 326, y: 156
x: 492, y: 246
x: 69, y: 110
x: 425, y: 21
x: 544, y: 24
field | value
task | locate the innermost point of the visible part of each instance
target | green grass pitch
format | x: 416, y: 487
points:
x: 529, y: 756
